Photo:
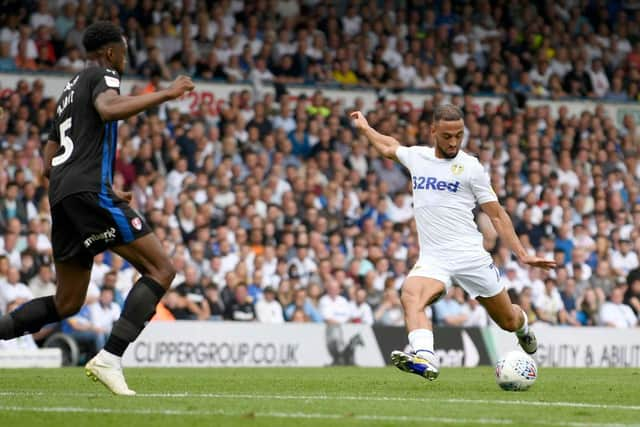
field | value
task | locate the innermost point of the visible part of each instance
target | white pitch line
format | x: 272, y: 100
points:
x: 295, y: 415
x: 340, y: 397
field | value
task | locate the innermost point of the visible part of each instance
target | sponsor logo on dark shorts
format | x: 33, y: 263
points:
x: 136, y: 223
x: 107, y: 235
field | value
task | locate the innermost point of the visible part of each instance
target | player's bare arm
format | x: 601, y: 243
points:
x: 50, y: 150
x: 386, y: 145
x: 504, y: 227
x: 112, y: 106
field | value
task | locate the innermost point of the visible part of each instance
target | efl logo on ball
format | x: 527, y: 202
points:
x: 136, y: 223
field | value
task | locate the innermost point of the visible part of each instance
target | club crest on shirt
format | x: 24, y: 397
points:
x: 457, y: 169
x: 136, y: 223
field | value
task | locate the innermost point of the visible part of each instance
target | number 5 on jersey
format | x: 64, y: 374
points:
x: 66, y: 143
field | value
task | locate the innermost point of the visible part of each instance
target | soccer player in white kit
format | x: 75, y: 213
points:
x: 447, y: 184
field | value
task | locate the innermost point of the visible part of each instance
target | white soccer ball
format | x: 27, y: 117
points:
x: 516, y: 371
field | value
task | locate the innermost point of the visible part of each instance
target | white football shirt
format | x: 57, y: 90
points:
x: 445, y: 192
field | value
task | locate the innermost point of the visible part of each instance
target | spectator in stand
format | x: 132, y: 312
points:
x: 193, y: 294
x: 81, y: 328
x: 42, y: 284
x: 28, y: 268
x: 589, y: 304
x: 568, y: 295
x: 617, y: 92
x: 215, y: 303
x: 10, y: 31
x: 624, y: 260
x: 110, y: 281
x: 362, y: 312
x: 599, y: 79
x: 177, y: 306
x: 476, y: 315
x: 11, y: 206
x: 103, y: 313
x: 578, y: 82
x: 549, y: 305
x: 64, y: 21
x: 75, y: 34
x: 23, y: 47
x: 100, y: 268
x: 240, y: 308
x: 343, y: 74
x: 12, y: 291
x: 334, y: 308
x: 603, y: 281
x: 512, y: 280
x: 268, y: 309
x: 285, y: 292
x: 389, y: 312
x: 450, y: 309
x: 71, y: 62
x: 615, y: 313
x: 302, y: 303
x: 632, y: 294
x: 525, y: 301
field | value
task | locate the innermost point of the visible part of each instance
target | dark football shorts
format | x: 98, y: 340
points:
x: 85, y: 224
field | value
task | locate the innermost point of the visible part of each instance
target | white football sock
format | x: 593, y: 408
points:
x: 421, y: 341
x: 524, y: 330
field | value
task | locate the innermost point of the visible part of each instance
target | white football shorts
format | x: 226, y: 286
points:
x: 477, y: 279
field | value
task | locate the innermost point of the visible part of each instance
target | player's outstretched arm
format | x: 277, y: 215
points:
x: 504, y: 227
x: 386, y: 145
x: 112, y: 106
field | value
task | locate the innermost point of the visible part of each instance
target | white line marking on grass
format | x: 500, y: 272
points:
x: 312, y: 397
x: 293, y: 415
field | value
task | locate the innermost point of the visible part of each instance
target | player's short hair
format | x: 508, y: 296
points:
x: 448, y: 113
x: 100, y: 34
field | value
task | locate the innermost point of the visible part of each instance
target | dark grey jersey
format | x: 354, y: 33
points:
x: 86, y: 157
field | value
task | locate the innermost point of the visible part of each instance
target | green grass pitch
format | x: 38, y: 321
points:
x: 319, y: 397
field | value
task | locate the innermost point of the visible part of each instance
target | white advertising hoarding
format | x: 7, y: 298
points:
x: 30, y: 358
x: 577, y: 347
x: 209, y: 344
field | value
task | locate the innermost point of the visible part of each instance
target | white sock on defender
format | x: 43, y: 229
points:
x: 524, y: 330
x: 421, y: 341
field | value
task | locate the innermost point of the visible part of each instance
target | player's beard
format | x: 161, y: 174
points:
x: 445, y: 154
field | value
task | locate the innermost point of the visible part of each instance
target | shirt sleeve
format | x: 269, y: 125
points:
x: 104, y: 80
x: 403, y: 154
x: 481, y: 186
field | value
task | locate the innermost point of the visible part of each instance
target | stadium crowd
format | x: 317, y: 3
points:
x: 528, y: 48
x: 275, y: 210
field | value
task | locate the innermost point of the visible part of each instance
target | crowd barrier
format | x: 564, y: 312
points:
x: 236, y: 344
x: 215, y: 344
x: 570, y: 347
x: 30, y: 358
